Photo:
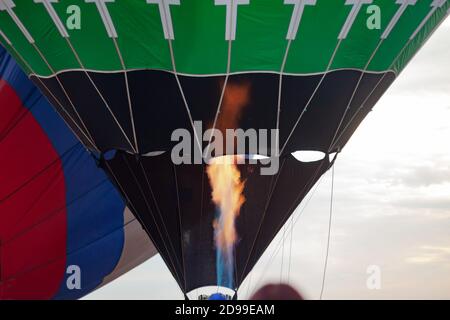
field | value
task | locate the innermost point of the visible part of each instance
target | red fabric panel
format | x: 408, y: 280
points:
x: 32, y: 206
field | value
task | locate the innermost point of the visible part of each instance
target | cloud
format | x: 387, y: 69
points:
x: 420, y: 176
x: 430, y: 255
x: 425, y: 176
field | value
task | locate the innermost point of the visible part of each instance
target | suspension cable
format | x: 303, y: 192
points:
x: 329, y: 234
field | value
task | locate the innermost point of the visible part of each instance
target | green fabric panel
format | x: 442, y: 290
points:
x: 317, y: 37
x: 22, y: 45
x: 48, y: 39
x: 95, y: 49
x: 399, y: 36
x: 200, y: 47
x: 140, y: 35
x: 261, y: 36
x: 361, y: 42
x: 199, y: 29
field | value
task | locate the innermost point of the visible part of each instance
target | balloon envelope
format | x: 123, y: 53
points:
x: 59, y: 215
x: 135, y: 71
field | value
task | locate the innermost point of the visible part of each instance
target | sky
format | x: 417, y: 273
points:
x: 391, y: 208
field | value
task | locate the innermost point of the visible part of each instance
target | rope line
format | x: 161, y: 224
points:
x: 328, y: 235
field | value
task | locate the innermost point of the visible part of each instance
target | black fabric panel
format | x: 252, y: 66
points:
x: 295, y: 94
x: 203, y: 97
x: 157, y: 180
x: 316, y: 128
x: 257, y: 199
x: 256, y: 191
x: 90, y: 107
x: 295, y: 179
x: 197, y: 216
x: 261, y: 109
x: 182, y: 229
x: 256, y: 97
x: 253, y: 96
x: 113, y: 89
x: 358, y: 112
x: 162, y: 225
x: 68, y: 113
x: 158, y: 109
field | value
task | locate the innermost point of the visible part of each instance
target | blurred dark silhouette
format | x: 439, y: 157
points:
x: 277, y: 292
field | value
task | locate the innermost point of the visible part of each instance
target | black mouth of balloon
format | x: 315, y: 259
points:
x: 302, y: 124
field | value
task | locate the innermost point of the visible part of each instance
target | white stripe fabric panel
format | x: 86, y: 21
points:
x: 137, y: 248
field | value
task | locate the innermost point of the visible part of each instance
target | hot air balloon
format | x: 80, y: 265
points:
x: 64, y: 229
x: 131, y: 73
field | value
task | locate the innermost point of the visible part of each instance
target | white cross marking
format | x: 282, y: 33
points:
x: 436, y: 4
x: 403, y: 6
x: 56, y: 20
x: 357, y: 5
x: 106, y: 18
x: 5, y: 4
x: 166, y: 17
x: 299, y: 6
x: 231, y: 17
x: 8, y: 5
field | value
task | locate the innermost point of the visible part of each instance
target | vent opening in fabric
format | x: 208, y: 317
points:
x: 308, y: 155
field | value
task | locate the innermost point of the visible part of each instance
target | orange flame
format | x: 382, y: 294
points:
x: 227, y: 189
x: 236, y: 98
x: 224, y: 175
